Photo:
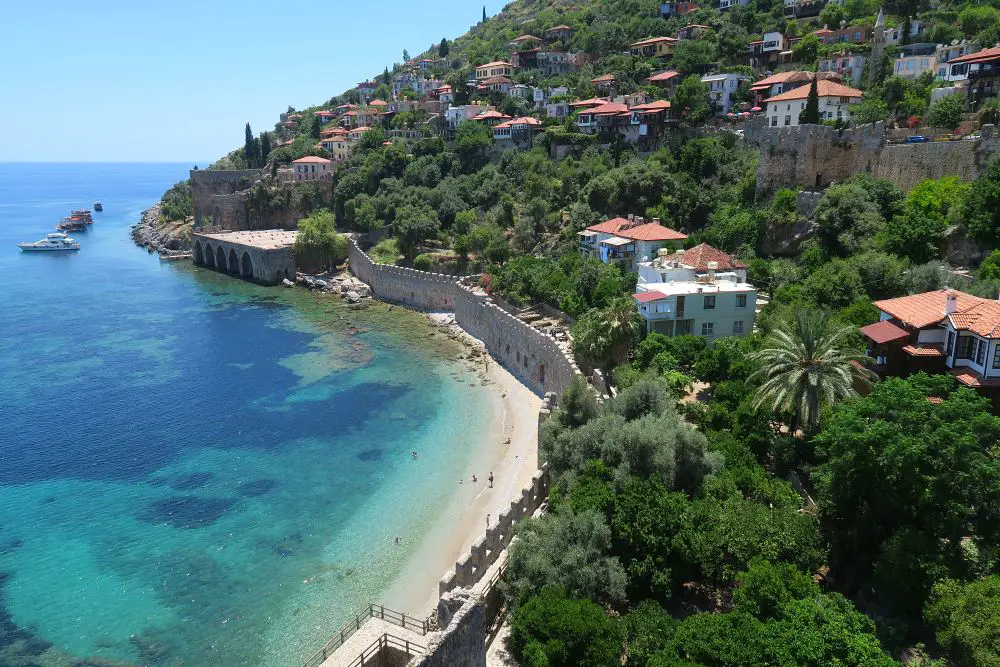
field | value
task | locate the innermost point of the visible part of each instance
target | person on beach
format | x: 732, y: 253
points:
x: 413, y: 454
x: 397, y: 539
x: 474, y: 478
x: 487, y: 520
x: 491, y: 479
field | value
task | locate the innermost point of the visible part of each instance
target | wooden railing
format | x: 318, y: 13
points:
x: 348, y: 629
x: 371, y: 654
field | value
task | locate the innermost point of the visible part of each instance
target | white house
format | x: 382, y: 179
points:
x: 628, y: 240
x: 850, y: 66
x: 911, y: 67
x: 456, y: 114
x: 701, y: 291
x: 311, y: 168
x: 722, y: 87
x: 835, y: 101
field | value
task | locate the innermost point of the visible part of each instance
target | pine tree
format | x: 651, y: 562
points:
x: 406, y: 56
x: 810, y: 115
x: 443, y: 48
x: 386, y: 79
x: 257, y: 161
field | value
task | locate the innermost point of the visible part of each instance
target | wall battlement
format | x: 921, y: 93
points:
x: 814, y: 156
x: 533, y: 357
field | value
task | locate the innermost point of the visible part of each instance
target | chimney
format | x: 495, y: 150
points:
x: 950, y: 302
x: 656, y: 221
x: 712, y: 267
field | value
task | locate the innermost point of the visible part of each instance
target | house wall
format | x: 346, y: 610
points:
x: 530, y: 355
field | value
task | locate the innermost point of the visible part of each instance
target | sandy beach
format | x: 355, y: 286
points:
x: 415, y: 591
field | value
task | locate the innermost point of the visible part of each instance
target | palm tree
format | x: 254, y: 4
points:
x: 606, y: 334
x: 805, y: 367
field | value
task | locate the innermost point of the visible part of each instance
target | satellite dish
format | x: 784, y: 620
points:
x: 954, y: 42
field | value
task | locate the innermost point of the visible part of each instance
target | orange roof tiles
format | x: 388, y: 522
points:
x: 646, y: 297
x: 699, y: 256
x: 930, y: 351
x: 592, y: 102
x: 884, y: 332
x: 604, y: 78
x: 606, y: 109
x: 658, y: 105
x: 379, y: 103
x: 311, y: 159
x: 978, y: 56
x: 824, y: 88
x: 495, y: 63
x: 664, y: 76
x: 526, y: 38
x: 649, y: 231
x: 653, y: 40
x: 922, y: 310
x: 491, y: 114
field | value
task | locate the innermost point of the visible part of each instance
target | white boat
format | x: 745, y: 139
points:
x: 55, y: 242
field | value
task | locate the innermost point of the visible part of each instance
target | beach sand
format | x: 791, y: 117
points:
x: 415, y: 591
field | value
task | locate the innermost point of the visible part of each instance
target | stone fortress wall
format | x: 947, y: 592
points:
x: 814, y: 156
x: 531, y: 356
x: 240, y: 254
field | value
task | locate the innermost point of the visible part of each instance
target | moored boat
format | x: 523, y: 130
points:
x: 82, y: 214
x: 55, y: 242
x: 72, y: 225
x: 98, y: 206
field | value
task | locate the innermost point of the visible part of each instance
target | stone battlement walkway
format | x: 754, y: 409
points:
x: 265, y: 239
x: 369, y: 634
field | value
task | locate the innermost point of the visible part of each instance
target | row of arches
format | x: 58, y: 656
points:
x: 216, y: 258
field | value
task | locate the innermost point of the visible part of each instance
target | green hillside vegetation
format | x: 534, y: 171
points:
x: 680, y: 532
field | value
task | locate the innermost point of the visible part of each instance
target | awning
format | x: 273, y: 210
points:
x: 884, y: 332
x: 616, y: 241
x: 914, y: 351
x: 646, y: 297
x: 586, y: 233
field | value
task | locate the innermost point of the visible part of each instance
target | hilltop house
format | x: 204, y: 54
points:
x: 311, y: 168
x: 782, y: 82
x: 677, y: 7
x: 982, y: 69
x: 523, y: 41
x: 694, y: 31
x: 604, y: 82
x: 496, y: 68
x: 722, y: 87
x: 945, y: 331
x: 559, y: 32
x: 855, y: 34
x: 835, y: 102
x: 772, y: 49
x: 526, y: 59
x: 628, y: 240
x: 659, y: 47
x: 492, y: 118
x: 456, y: 114
x: 849, y: 66
x: 499, y: 84
x: 338, y: 147
x: 668, y: 80
x: 702, y: 291
x: 517, y: 132
x: 599, y: 118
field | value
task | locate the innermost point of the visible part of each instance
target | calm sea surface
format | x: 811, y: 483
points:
x: 195, y: 470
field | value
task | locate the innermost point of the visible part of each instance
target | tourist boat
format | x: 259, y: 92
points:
x: 82, y: 214
x: 72, y: 225
x: 55, y: 242
x: 98, y: 206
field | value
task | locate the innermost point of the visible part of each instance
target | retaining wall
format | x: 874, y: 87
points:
x: 531, y: 356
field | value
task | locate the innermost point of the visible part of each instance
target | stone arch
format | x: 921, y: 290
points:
x: 246, y: 268
x: 220, y: 258
x: 199, y: 256
x: 234, y: 263
x: 209, y: 256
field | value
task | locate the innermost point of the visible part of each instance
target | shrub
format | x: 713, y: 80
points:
x: 555, y: 630
x: 422, y: 262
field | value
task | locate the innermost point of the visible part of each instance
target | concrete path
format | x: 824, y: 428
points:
x: 369, y: 633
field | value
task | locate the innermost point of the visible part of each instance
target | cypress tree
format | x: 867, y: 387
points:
x: 810, y: 115
x: 484, y: 13
x: 248, y: 146
x: 265, y: 147
x: 443, y: 48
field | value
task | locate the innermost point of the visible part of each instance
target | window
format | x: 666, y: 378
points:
x: 709, y: 302
x: 996, y: 356
x: 707, y: 329
x: 981, y: 352
x: 788, y: 120
x: 966, y: 347
x: 741, y: 300
x: 948, y: 350
x: 774, y: 121
x: 738, y: 327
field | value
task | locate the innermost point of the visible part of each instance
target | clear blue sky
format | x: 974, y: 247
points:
x: 152, y: 80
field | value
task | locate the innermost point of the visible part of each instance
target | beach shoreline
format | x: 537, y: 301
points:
x: 510, y: 453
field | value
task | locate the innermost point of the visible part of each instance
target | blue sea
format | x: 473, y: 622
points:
x: 195, y: 470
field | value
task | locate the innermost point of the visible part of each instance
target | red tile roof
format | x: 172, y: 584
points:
x: 884, y: 332
x: 653, y: 40
x: 650, y: 231
x: 971, y: 378
x: 604, y: 78
x: 495, y: 79
x: 379, y: 103
x: 664, y: 76
x: 929, y: 351
x: 978, y: 56
x: 658, y: 105
x: 699, y: 256
x: 607, y: 109
x: 592, y: 102
x: 824, y: 88
x: 980, y: 316
x: 526, y: 38
x: 646, y: 297
x: 492, y: 113
x: 311, y: 159
x: 495, y: 63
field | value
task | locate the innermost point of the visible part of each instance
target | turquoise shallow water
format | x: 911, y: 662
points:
x: 195, y: 470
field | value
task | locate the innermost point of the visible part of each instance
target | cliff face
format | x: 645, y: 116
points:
x: 245, y: 199
x: 163, y: 236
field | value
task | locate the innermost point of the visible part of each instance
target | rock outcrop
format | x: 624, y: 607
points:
x: 166, y: 238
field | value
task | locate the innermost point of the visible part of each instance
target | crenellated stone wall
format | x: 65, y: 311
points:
x: 814, y: 156
x: 531, y: 356
x: 214, y: 193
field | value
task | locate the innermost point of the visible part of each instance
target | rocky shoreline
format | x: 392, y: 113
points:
x: 357, y: 293
x: 149, y: 234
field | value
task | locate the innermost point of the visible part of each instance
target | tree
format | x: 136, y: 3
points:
x: 847, y: 215
x: 947, y: 112
x: 443, y: 48
x: 406, y: 56
x: 484, y: 13
x: 805, y: 367
x: 604, y: 335
x: 806, y: 50
x: 553, y: 629
x: 374, y: 138
x: 472, y: 144
x: 693, y: 56
x: 871, y: 110
x: 907, y: 489
x: 692, y: 100
x: 566, y: 550
x: 966, y: 619
x: 265, y: 146
x: 413, y: 225
x: 810, y: 115
x: 318, y: 245
x: 982, y: 206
